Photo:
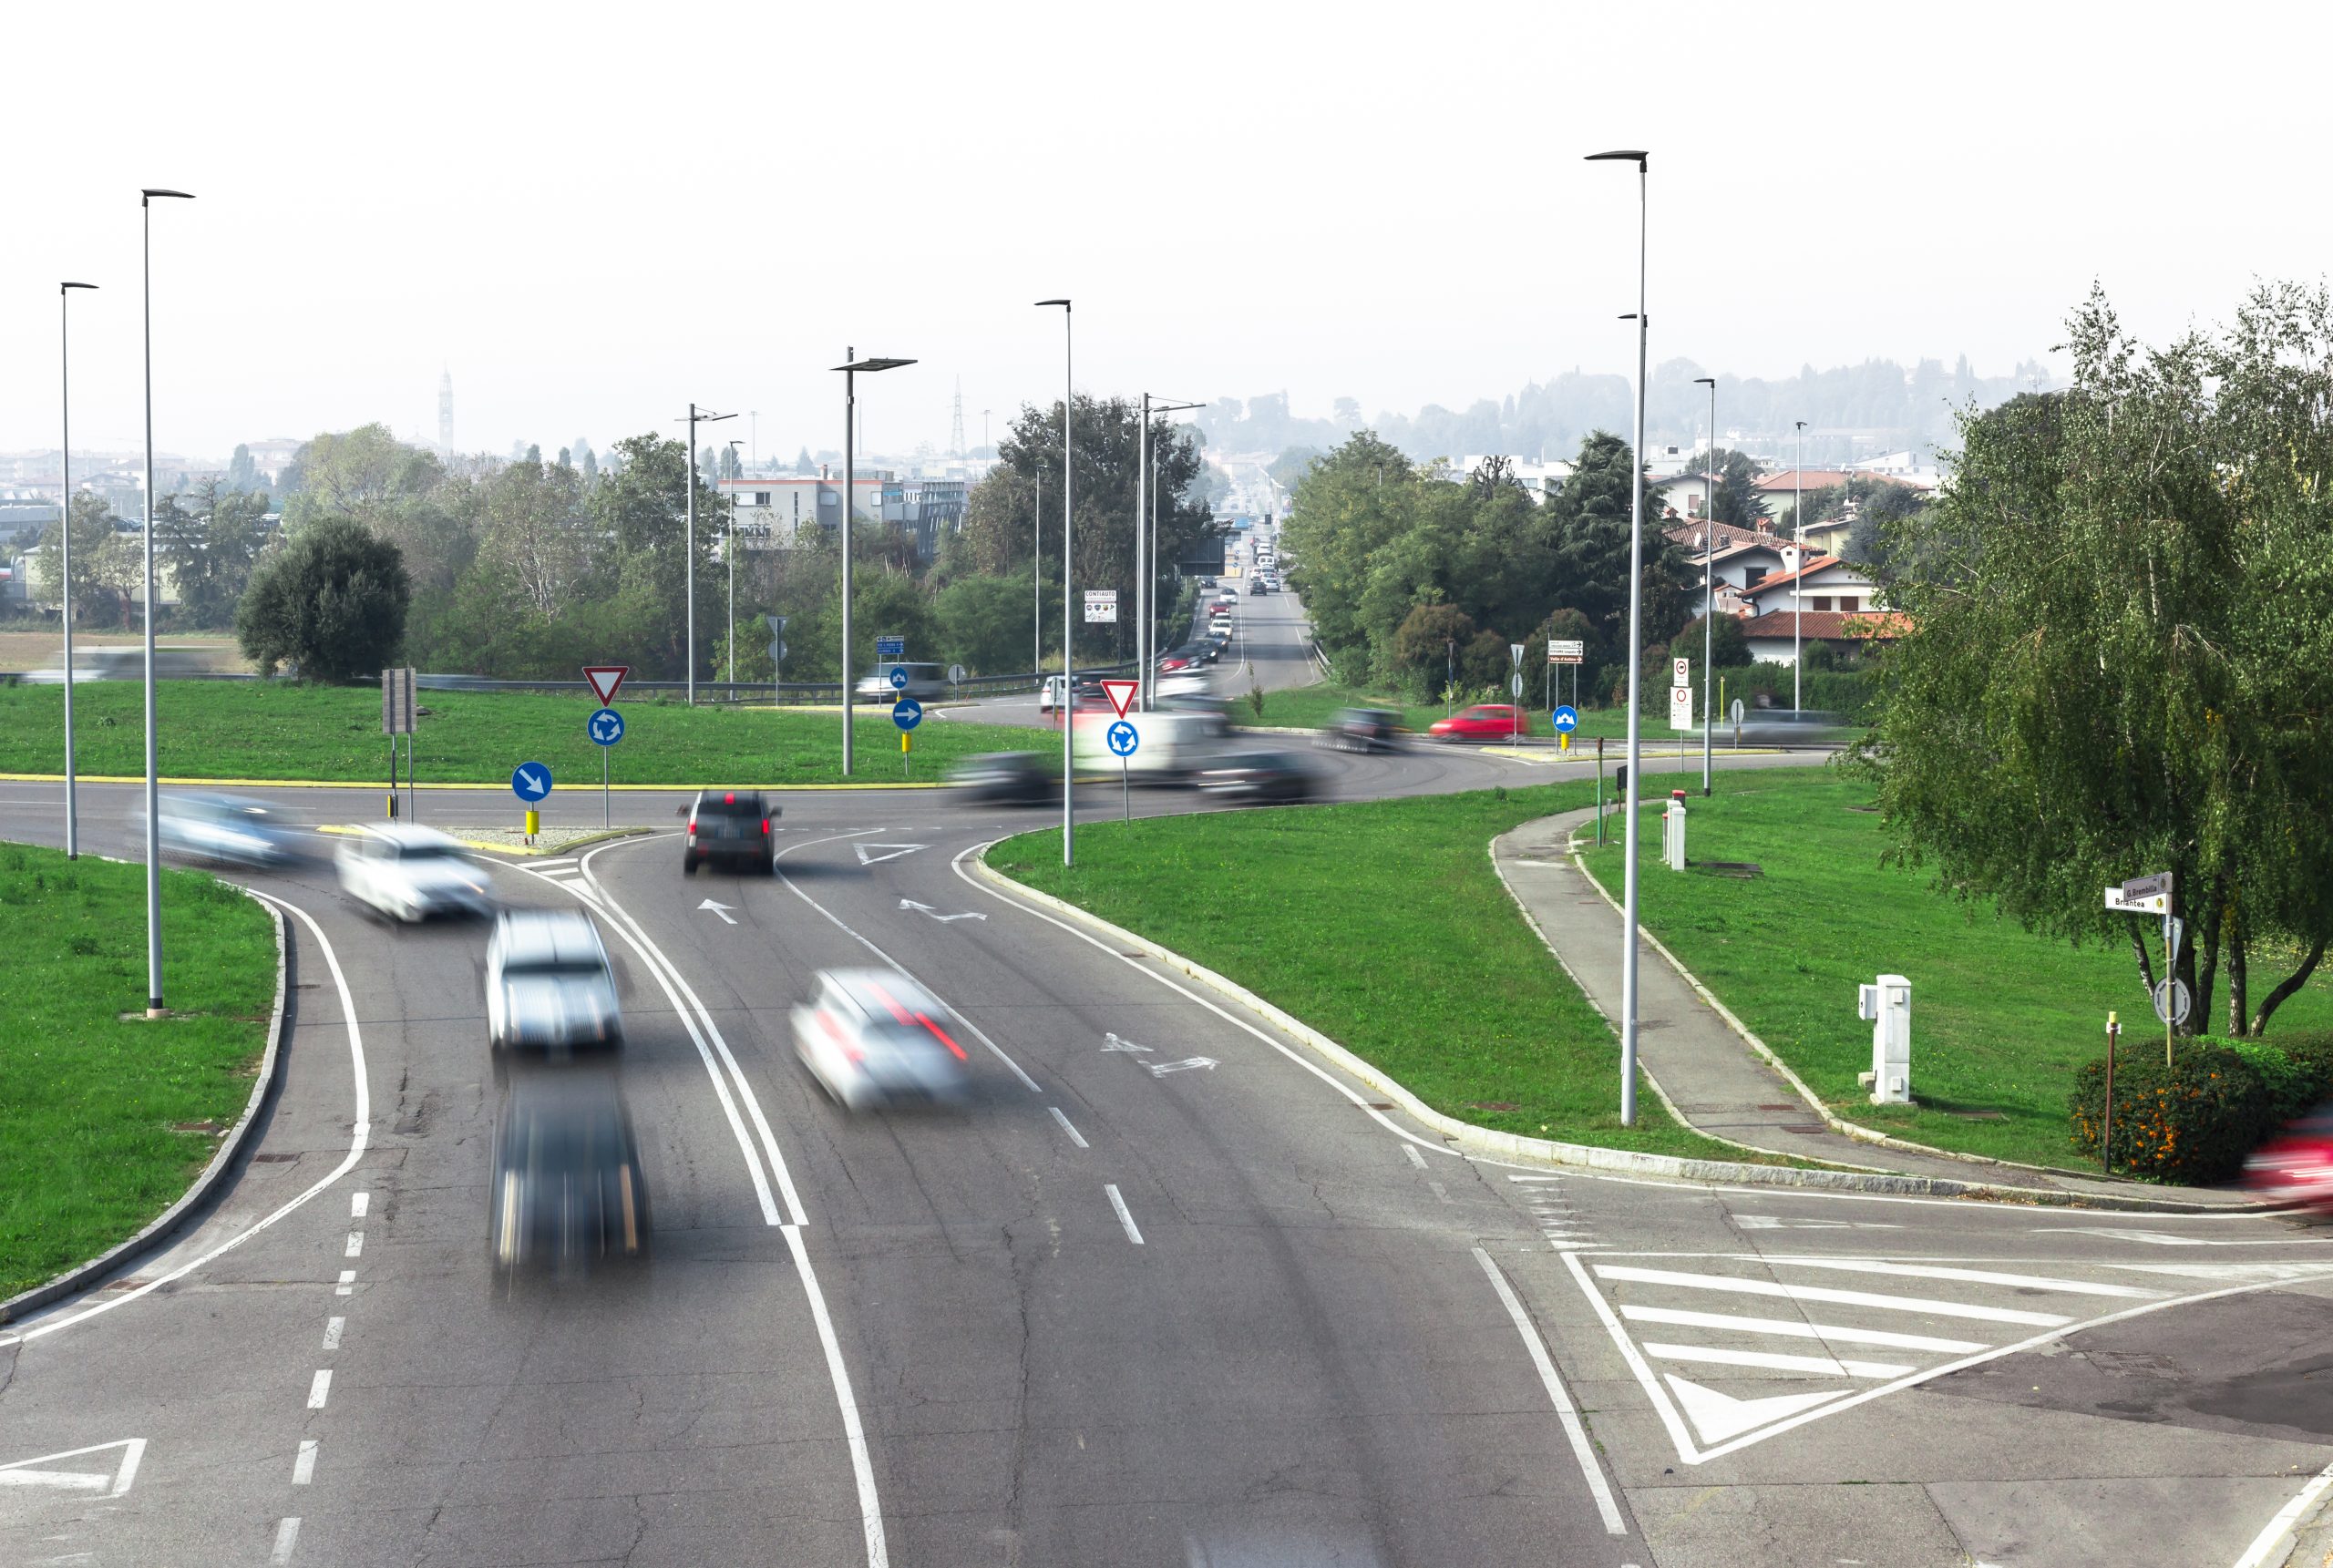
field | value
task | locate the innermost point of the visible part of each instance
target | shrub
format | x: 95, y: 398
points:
x: 2193, y: 1123
x: 2294, y: 1084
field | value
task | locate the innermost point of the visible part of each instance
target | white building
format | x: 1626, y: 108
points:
x: 1541, y: 479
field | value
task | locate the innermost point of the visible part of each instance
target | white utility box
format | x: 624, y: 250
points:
x: 1889, y: 1005
x: 1673, y: 836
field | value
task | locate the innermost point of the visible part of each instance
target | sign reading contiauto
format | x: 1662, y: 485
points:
x: 1100, y: 606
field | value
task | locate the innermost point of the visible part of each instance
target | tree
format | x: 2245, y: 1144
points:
x: 243, y: 473
x: 97, y: 601
x: 332, y: 601
x: 347, y: 473
x: 2121, y: 653
x: 1424, y: 645
x: 533, y: 526
x: 1735, y: 501
x: 985, y: 624
x: 1288, y: 469
x: 208, y: 549
x: 802, y: 464
x: 1592, y: 516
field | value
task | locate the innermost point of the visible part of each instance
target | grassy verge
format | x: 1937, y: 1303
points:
x: 103, y: 1123
x: 219, y: 728
x: 1384, y: 926
x: 2000, y: 1018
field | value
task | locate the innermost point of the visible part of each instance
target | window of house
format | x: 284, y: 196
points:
x: 1752, y: 576
x: 1822, y: 601
x: 761, y: 497
x: 1847, y: 603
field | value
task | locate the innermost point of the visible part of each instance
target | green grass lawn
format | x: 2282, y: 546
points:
x: 2000, y: 1018
x: 1384, y: 926
x: 96, y: 1120
x: 277, y: 730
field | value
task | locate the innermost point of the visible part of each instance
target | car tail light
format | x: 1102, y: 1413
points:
x: 764, y: 827
x: 942, y: 1035
x: 883, y: 996
x: 729, y: 800
x: 691, y: 824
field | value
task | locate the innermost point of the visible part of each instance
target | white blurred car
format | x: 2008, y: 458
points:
x: 549, y: 985
x: 227, y: 830
x: 874, y: 1037
x: 411, y: 873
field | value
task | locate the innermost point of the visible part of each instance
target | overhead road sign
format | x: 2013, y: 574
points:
x: 1563, y: 652
x: 606, y: 681
x: 907, y: 712
x: 531, y: 781
x: 1566, y: 719
x: 1124, y: 738
x: 606, y: 727
x: 1100, y: 606
x: 1121, y: 694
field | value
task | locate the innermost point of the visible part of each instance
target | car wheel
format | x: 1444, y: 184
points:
x: 688, y: 865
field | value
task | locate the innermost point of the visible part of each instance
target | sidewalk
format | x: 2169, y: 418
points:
x: 1718, y: 1082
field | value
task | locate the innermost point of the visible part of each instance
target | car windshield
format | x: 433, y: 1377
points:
x: 539, y: 966
x: 428, y: 851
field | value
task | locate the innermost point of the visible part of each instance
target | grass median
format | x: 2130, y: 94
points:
x: 1384, y: 926
x: 2001, y: 1019
x: 280, y: 730
x: 105, y: 1121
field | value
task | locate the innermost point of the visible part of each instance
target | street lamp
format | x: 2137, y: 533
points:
x: 1709, y: 577
x: 1636, y: 659
x: 65, y: 544
x: 1798, y: 563
x: 851, y: 366
x: 1146, y: 554
x: 1067, y: 707
x: 153, y: 782
x: 729, y: 559
x: 697, y: 417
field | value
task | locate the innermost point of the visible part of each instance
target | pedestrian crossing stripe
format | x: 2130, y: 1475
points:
x: 1734, y: 1349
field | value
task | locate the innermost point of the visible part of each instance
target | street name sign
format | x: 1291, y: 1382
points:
x: 890, y: 648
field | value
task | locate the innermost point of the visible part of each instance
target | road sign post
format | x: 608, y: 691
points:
x: 776, y: 624
x: 906, y: 714
x: 1599, y: 791
x: 2153, y: 895
x: 397, y: 719
x: 605, y: 728
x: 2106, y: 1135
x: 531, y: 781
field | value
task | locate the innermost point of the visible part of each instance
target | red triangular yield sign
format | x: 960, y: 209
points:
x: 1121, y: 694
x: 605, y: 679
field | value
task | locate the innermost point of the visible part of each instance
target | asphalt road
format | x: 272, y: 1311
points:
x: 1169, y: 1292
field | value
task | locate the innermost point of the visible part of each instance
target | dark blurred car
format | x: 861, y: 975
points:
x: 1088, y: 690
x: 1483, y: 721
x: 1363, y: 730
x: 1006, y: 778
x: 566, y: 1193
x: 1257, y: 776
x: 731, y: 828
x: 1215, y: 642
x: 1186, y: 657
x: 2297, y: 1165
x: 227, y: 829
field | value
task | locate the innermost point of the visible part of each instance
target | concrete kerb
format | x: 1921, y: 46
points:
x: 1488, y: 1142
x: 229, y: 1152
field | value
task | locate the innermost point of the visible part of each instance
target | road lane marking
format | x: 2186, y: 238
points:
x: 347, y: 1285
x: 1125, y: 1217
x: 1797, y: 1328
x: 319, y: 1390
x: 862, y: 1465
x: 355, y: 1245
x: 2267, y: 1547
x: 360, y: 1139
x: 1566, y: 1411
x: 1623, y: 1274
x: 1973, y: 1275
x: 287, y: 1535
x: 1074, y: 1135
x: 358, y: 1202
x: 893, y: 851
x: 333, y: 1327
x: 1415, y: 1158
x: 303, y: 1465
x: 27, y: 1472
x: 1775, y: 1361
x: 1440, y: 1191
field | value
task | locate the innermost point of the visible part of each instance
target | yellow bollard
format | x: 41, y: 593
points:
x: 534, y: 824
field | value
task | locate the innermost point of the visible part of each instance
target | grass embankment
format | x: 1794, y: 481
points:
x: 1384, y: 926
x: 2001, y: 1020
x: 103, y: 1122
x: 271, y: 730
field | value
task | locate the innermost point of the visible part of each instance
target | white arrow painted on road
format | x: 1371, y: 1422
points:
x: 1112, y: 1042
x: 1161, y: 1068
x: 113, y: 1482
x: 720, y: 909
x: 1718, y: 1416
x: 911, y: 904
x: 892, y: 851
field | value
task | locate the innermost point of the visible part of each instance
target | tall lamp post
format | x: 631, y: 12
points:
x: 65, y: 546
x: 1709, y: 577
x: 153, y: 782
x: 1798, y: 564
x: 697, y: 417
x: 729, y: 559
x: 851, y: 367
x: 1068, y: 706
x: 1145, y: 552
x: 1037, y: 586
x: 1636, y: 658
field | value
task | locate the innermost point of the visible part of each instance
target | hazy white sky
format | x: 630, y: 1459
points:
x: 594, y: 213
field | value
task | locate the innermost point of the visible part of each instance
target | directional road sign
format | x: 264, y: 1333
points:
x: 531, y: 781
x: 1561, y: 651
x: 907, y: 712
x: 607, y: 727
x: 606, y: 680
x: 1566, y: 719
x: 1121, y: 693
x: 890, y: 648
x: 899, y: 679
x: 1123, y: 738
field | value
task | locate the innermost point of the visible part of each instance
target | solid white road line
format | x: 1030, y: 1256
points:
x: 360, y: 1139
x: 303, y: 1465
x: 319, y: 1390
x: 862, y: 1464
x: 1581, y: 1451
x: 333, y: 1327
x: 1817, y: 1366
x: 287, y: 1535
x: 1975, y: 1275
x: 2269, y: 1546
x: 1740, y: 1287
x: 1794, y: 1328
x: 1126, y: 1218
x: 1074, y: 1135
x: 358, y: 1202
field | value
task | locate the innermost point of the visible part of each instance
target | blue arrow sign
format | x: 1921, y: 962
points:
x: 899, y: 679
x: 606, y: 727
x: 1123, y: 738
x: 531, y: 781
x: 907, y: 712
x: 1567, y: 719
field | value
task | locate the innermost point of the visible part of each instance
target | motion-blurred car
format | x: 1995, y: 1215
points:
x: 1181, y: 659
x: 227, y: 829
x: 2297, y: 1165
x: 567, y: 1192
x: 1782, y: 727
x: 411, y: 873
x: 873, y: 1038
x: 1257, y: 776
x: 1483, y: 721
x: 926, y: 682
x: 549, y: 985
x: 1362, y: 729
x: 1258, y: 589
x: 731, y: 828
x: 1179, y: 688
x: 1005, y: 778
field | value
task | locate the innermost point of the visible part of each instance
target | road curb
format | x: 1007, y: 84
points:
x: 1546, y: 1151
x: 229, y: 1152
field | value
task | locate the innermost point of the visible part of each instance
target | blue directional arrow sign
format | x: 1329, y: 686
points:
x: 531, y: 781
x: 1123, y: 738
x: 890, y: 648
x: 607, y: 727
x: 1567, y: 719
x: 899, y: 679
x: 907, y: 712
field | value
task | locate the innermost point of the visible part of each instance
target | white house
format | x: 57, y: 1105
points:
x: 1776, y: 636
x: 1826, y: 584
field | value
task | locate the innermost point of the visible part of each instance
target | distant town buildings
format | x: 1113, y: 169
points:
x: 793, y: 511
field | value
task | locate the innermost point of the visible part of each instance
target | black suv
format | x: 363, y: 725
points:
x: 731, y: 828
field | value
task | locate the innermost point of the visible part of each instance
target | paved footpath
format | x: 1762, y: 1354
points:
x: 1720, y: 1083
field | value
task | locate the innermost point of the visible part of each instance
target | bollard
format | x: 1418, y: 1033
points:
x: 1887, y: 1004
x: 1673, y: 833
x: 534, y: 824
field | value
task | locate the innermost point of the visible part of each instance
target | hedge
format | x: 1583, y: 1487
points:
x: 2192, y: 1122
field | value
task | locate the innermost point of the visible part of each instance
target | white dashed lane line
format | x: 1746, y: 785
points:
x: 319, y: 1390
x: 1074, y: 1135
x: 333, y: 1327
x: 304, y: 1467
x: 1126, y: 1218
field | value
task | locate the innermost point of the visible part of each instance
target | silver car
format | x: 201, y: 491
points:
x: 227, y: 830
x: 411, y: 873
x: 873, y: 1038
x: 548, y: 986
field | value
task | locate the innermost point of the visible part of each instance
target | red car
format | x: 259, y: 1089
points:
x: 1483, y: 721
x: 2297, y: 1165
